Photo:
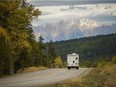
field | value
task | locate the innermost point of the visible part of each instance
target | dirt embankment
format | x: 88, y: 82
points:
x: 31, y: 69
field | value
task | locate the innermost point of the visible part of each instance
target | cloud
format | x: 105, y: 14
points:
x: 72, y: 28
x: 97, y: 12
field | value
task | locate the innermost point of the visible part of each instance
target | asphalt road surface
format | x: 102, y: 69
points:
x: 42, y: 77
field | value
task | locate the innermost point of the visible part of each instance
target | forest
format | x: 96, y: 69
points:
x: 91, y: 50
x: 18, y: 47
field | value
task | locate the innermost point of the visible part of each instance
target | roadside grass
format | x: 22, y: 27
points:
x: 98, y: 77
x: 31, y: 69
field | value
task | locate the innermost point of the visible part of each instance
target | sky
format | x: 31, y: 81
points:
x: 105, y: 13
x: 91, y: 14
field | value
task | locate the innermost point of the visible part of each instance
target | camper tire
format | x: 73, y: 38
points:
x: 77, y: 67
x: 68, y: 67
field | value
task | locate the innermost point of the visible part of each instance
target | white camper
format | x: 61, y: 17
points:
x: 73, y: 61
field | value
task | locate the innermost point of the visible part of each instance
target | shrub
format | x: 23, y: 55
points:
x: 114, y: 59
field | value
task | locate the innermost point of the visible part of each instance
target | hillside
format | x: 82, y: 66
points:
x: 89, y: 48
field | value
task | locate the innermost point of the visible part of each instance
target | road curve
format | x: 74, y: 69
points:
x: 42, y: 77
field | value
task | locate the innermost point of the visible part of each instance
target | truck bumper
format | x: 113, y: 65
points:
x: 69, y: 67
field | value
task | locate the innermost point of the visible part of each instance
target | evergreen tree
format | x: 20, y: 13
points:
x: 51, y: 53
x: 42, y: 52
x: 35, y: 53
x: 5, y: 53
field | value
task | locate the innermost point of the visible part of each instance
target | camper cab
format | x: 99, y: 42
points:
x: 73, y: 61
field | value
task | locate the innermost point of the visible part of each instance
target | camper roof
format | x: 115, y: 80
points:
x: 73, y: 54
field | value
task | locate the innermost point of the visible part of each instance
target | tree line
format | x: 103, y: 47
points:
x: 18, y: 47
x: 91, y: 50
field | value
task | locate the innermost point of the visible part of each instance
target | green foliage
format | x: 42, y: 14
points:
x: 90, y: 49
x: 35, y: 53
x: 86, y: 64
x: 64, y: 65
x: 5, y: 53
x: 114, y: 59
x: 51, y: 53
x: 15, y: 19
x: 17, y: 40
x: 101, y: 63
x: 42, y: 52
x: 58, y: 62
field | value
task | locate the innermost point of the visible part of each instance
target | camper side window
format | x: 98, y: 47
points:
x: 76, y: 58
x: 73, y: 61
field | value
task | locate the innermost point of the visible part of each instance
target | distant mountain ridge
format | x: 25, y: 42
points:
x: 72, y: 28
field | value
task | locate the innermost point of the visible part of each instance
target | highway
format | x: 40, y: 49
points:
x: 43, y: 77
